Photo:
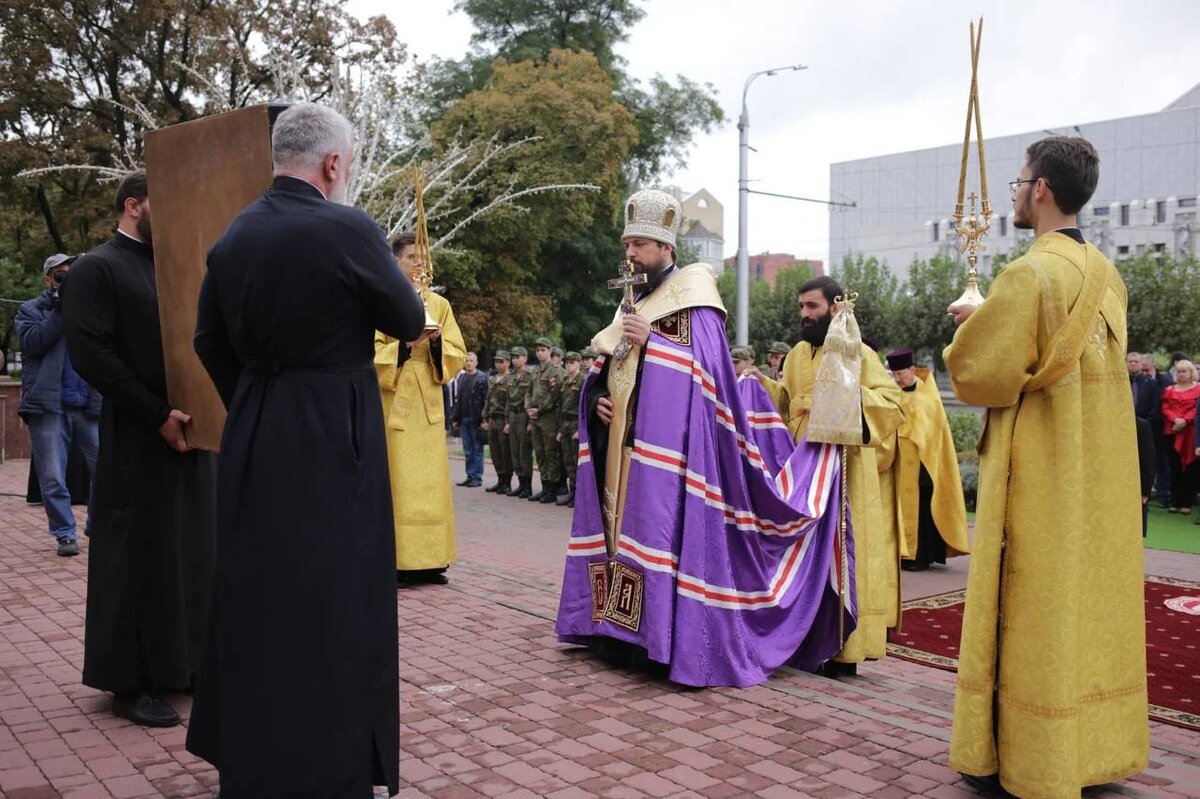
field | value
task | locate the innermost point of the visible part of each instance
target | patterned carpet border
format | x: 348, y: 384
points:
x: 1167, y: 715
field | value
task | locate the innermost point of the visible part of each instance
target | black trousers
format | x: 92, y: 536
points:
x: 1183, y: 482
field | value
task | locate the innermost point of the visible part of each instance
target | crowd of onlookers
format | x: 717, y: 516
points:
x: 1165, y: 404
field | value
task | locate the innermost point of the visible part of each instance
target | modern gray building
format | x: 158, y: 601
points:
x: 1145, y: 201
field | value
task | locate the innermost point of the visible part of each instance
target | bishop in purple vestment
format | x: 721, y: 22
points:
x: 703, y: 538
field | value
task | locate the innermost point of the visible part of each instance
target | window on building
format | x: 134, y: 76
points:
x: 1100, y: 210
x: 1123, y: 249
x: 758, y: 271
x: 1124, y: 216
x: 1160, y: 212
x: 1187, y: 202
x: 1003, y: 226
x: 1160, y: 247
x: 937, y: 231
x: 702, y: 203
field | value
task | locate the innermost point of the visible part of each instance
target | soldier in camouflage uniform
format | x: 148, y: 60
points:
x: 495, y: 419
x: 518, y: 424
x: 568, y: 425
x: 542, y: 404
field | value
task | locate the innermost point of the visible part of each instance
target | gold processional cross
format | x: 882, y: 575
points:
x: 626, y: 281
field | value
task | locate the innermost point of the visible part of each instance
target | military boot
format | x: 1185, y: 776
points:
x: 538, y: 496
x: 550, y: 495
x: 567, y: 500
x: 524, y: 489
x: 503, y: 485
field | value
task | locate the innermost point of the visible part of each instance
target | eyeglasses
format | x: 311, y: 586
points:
x: 1013, y: 185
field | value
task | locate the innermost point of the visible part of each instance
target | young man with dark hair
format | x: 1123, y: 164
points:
x: 1051, y: 691
x: 153, y: 533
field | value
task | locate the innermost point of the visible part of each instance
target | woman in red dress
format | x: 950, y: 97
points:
x: 1179, y: 425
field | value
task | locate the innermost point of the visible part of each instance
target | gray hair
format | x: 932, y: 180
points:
x: 307, y: 132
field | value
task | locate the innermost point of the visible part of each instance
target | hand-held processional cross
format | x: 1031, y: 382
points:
x: 626, y: 281
x: 972, y: 228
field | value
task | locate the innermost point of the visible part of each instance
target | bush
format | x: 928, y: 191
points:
x: 965, y: 427
x: 968, y: 469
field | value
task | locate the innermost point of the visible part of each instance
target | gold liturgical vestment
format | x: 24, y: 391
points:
x: 416, y: 436
x: 876, y: 555
x: 1052, y: 667
x: 924, y: 439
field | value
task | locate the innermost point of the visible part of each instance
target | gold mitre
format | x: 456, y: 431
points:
x: 653, y: 214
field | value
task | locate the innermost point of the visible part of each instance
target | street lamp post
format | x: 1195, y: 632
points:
x: 743, y: 256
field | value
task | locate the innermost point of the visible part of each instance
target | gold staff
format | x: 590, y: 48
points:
x: 972, y: 228
x: 423, y: 272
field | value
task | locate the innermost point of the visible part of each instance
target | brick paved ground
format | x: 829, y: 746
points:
x: 494, y: 706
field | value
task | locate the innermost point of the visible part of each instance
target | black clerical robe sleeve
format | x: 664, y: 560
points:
x: 212, y: 342
x: 392, y: 305
x: 90, y: 322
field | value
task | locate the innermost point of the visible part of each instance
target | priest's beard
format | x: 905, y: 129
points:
x: 654, y: 272
x: 814, y: 330
x: 143, y: 227
x: 1023, y: 213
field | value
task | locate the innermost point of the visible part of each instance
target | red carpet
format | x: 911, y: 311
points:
x: 933, y: 625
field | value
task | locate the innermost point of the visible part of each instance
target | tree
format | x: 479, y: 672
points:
x: 1164, y: 302
x: 878, y: 290
x: 560, y: 246
x: 668, y: 114
x: 81, y: 82
x: 774, y: 310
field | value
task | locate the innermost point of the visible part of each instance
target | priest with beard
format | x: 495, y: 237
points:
x: 299, y: 694
x: 703, y: 538
x: 151, y: 551
x: 876, y: 549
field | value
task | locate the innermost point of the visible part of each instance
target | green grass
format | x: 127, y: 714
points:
x: 1169, y: 531
x: 1172, y: 531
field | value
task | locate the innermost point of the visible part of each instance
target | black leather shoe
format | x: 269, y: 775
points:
x: 566, y: 500
x: 492, y: 489
x: 144, y: 709
x: 835, y: 669
x: 503, y: 491
x: 538, y: 496
x: 474, y: 483
x: 464, y: 483
x: 523, y: 492
x: 550, y: 495
x: 989, y: 785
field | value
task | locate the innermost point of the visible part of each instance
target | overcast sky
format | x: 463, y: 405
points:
x: 883, y: 76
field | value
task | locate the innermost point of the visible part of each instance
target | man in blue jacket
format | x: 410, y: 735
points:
x: 59, y: 407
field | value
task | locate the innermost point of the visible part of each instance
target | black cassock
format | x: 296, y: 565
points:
x: 299, y: 696
x: 150, y: 557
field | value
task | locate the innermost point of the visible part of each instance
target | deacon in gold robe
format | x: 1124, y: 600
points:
x: 876, y: 552
x: 411, y: 376
x: 1051, y: 692
x: 929, y: 512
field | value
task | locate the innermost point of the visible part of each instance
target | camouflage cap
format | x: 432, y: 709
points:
x: 556, y: 351
x: 587, y: 352
x: 571, y: 356
x: 779, y: 348
x: 519, y: 351
x: 543, y: 342
x: 742, y: 354
x: 501, y: 355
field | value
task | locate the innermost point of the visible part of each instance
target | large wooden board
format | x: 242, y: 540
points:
x: 201, y: 174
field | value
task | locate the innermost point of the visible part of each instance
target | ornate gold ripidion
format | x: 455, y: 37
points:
x: 971, y: 227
